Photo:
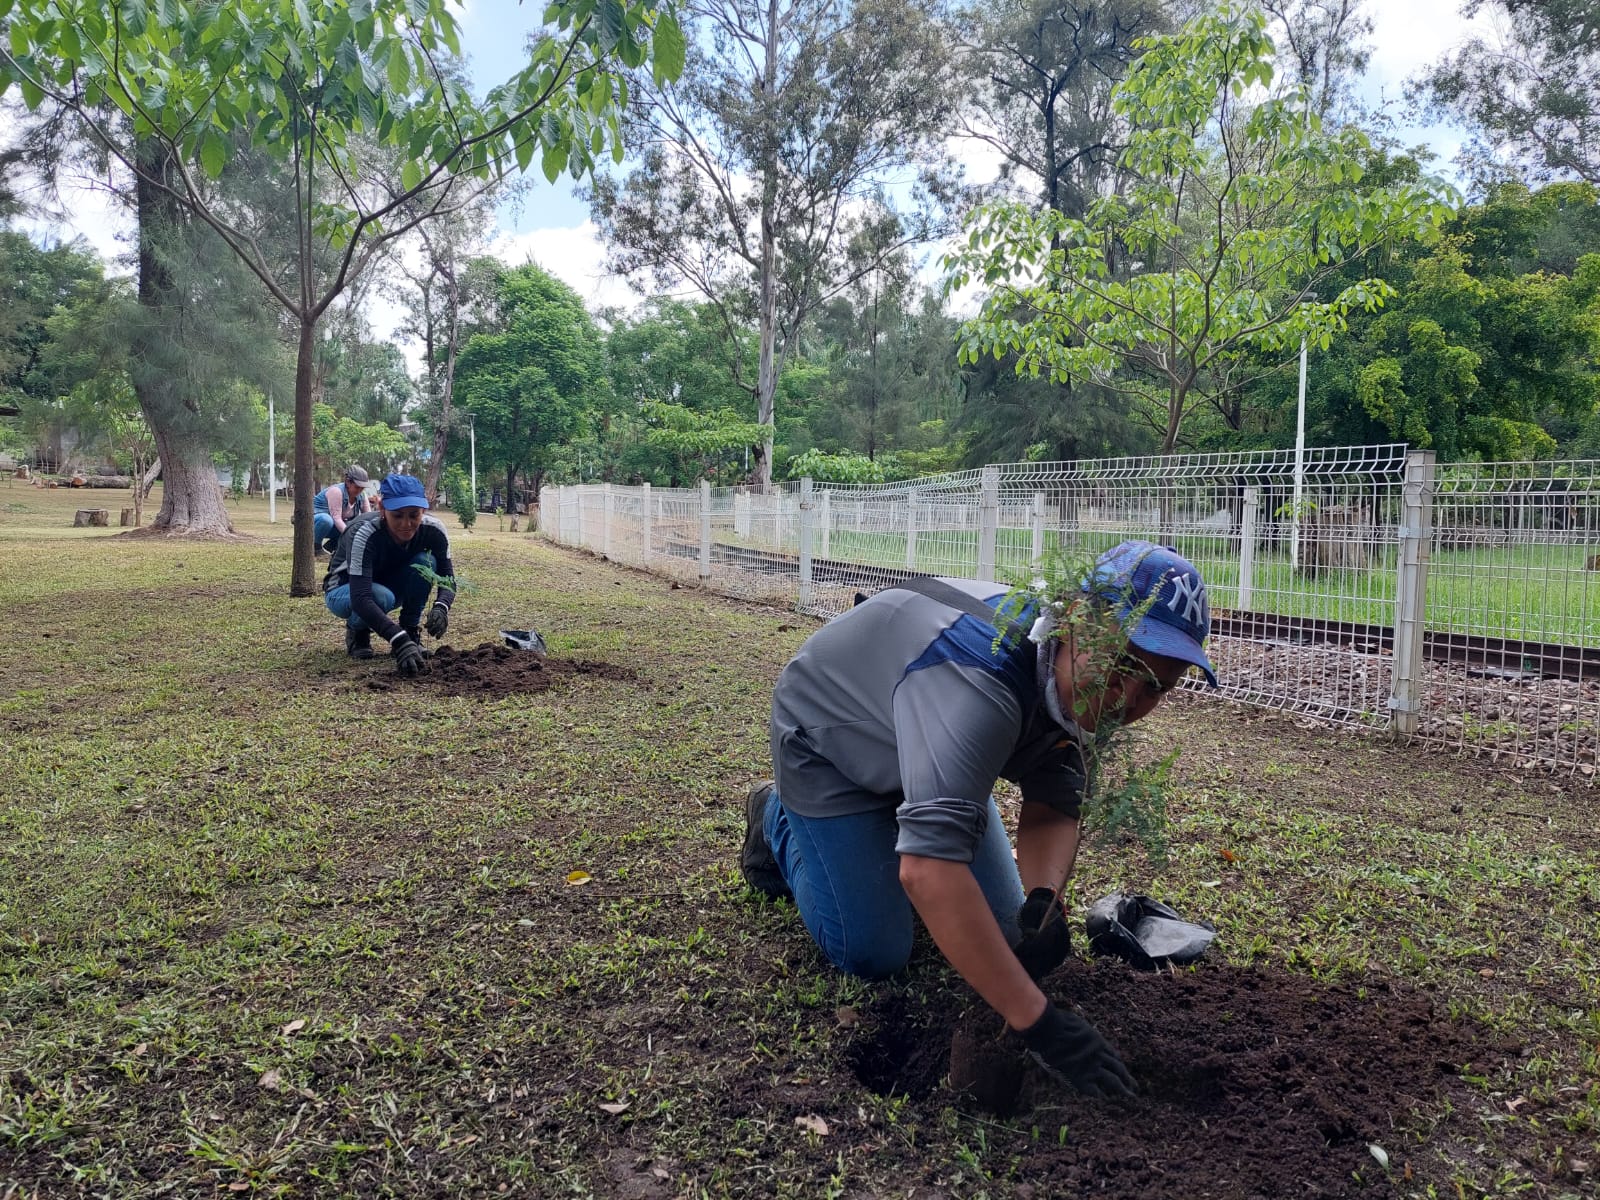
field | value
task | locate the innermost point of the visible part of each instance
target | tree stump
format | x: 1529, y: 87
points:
x: 91, y: 516
x: 516, y: 524
x: 127, y: 518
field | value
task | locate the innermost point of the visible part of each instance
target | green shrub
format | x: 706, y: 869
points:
x: 459, y: 490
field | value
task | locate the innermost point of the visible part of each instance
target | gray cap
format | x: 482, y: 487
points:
x: 356, y: 475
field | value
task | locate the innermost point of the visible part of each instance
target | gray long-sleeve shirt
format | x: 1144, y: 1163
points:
x: 903, y: 702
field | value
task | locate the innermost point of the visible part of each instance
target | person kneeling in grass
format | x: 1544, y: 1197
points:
x: 374, y: 571
x: 889, y: 729
x: 334, y: 507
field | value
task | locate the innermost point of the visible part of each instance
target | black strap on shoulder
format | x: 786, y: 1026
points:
x: 954, y: 597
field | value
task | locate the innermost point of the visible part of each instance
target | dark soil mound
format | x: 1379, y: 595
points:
x: 493, y: 670
x: 1253, y: 1083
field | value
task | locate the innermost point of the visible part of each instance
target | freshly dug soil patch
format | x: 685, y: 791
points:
x: 1252, y: 1082
x: 492, y: 670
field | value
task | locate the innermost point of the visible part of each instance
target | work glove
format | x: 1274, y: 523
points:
x: 1046, y: 940
x: 438, y: 620
x: 409, y: 657
x: 1071, y: 1049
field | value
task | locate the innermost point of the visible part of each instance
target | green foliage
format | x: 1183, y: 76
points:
x: 1069, y: 602
x: 323, y: 80
x: 532, y: 377
x: 1237, y: 214
x: 37, y: 283
x: 341, y: 441
x: 1529, y: 89
x: 452, y: 583
x: 836, y: 468
x: 458, y: 487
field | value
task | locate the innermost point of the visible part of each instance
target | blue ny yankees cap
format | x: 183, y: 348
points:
x: 1167, y: 589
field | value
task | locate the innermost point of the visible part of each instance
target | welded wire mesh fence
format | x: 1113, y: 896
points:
x: 1368, y: 586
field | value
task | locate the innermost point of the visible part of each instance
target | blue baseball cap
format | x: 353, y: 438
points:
x: 402, y: 491
x: 1168, y: 589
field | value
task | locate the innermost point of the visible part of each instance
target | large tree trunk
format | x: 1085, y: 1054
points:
x: 191, y: 500
x: 303, y: 575
x: 191, y: 497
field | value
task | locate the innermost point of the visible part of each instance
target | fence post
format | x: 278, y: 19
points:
x: 988, y: 520
x: 778, y: 500
x: 911, y: 530
x: 705, y: 530
x: 644, y: 524
x: 1247, y: 548
x: 1411, y: 593
x: 825, y: 520
x: 608, y: 509
x: 577, y: 492
x: 805, y: 542
x: 1036, y: 520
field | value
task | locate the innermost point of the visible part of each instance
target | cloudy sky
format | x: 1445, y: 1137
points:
x: 553, y: 227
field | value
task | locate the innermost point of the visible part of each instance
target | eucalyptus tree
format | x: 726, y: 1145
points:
x: 446, y: 279
x: 1529, y: 89
x: 761, y: 163
x: 319, y: 87
x: 1040, y: 97
x: 1238, y: 212
x: 1324, y: 44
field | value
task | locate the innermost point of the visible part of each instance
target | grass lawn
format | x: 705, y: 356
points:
x: 275, y: 923
x: 1534, y: 592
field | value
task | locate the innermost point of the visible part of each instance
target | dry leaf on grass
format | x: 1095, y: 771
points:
x: 813, y: 1124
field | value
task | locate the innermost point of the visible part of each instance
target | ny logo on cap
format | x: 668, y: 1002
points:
x: 1190, y: 592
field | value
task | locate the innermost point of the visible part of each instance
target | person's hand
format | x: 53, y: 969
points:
x: 409, y: 658
x: 1070, y: 1048
x: 438, y: 620
x: 1046, y: 940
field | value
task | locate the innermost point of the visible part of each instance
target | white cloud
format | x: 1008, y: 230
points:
x: 1409, y: 36
x: 573, y: 255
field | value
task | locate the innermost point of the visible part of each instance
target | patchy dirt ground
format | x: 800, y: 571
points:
x: 491, y: 671
x: 1253, y: 1082
x: 470, y: 949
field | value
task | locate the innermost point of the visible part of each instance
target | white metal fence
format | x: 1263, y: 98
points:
x: 1455, y: 603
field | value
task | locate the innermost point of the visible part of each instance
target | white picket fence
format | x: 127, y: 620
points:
x: 1452, y: 603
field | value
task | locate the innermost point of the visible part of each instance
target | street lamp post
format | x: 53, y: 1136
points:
x: 472, y: 438
x: 1299, y: 465
x: 272, y: 461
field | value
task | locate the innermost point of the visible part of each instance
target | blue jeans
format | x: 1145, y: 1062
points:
x: 410, y: 600
x: 845, y: 876
x: 323, y: 535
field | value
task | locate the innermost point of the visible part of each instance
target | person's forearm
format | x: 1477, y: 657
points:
x: 1047, y: 847
x: 947, y: 897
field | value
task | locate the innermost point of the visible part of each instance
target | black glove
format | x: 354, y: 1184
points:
x: 438, y: 620
x: 409, y: 658
x: 1070, y: 1048
x: 1046, y: 940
